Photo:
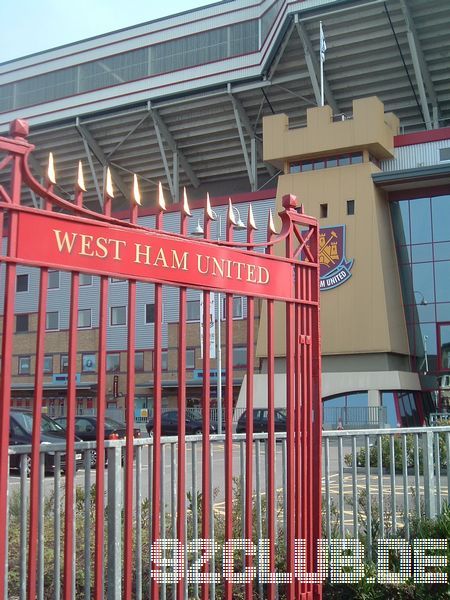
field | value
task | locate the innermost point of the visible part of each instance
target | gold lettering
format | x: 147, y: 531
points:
x: 216, y: 268
x: 145, y: 253
x: 263, y: 270
x: 65, y: 242
x: 177, y: 263
x: 199, y: 260
x: 251, y: 273
x: 161, y: 258
x: 228, y: 275
x: 239, y: 266
x: 102, y: 251
x: 86, y: 241
x: 117, y: 244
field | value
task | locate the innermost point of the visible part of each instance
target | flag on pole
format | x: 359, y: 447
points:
x: 323, y: 44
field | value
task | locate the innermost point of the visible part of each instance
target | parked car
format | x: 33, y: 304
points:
x: 261, y: 420
x: 86, y: 430
x: 20, y: 433
x: 169, y: 424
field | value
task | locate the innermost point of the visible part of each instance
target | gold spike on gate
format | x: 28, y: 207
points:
x: 80, y: 178
x: 161, y: 200
x: 209, y: 211
x: 109, y: 186
x: 136, y: 192
x: 51, y: 169
x: 271, y: 223
x: 251, y: 219
x: 231, y: 217
x: 186, y: 209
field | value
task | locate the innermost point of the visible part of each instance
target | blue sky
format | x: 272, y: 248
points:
x: 33, y: 25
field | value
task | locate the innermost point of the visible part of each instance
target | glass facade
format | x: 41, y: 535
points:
x: 422, y: 235
x: 184, y: 52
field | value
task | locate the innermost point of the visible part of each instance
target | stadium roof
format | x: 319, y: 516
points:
x: 182, y: 99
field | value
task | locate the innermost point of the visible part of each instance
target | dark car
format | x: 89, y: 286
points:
x: 261, y: 420
x: 20, y: 434
x: 169, y: 424
x: 86, y: 430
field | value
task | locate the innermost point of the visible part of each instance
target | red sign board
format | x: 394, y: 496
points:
x: 65, y: 243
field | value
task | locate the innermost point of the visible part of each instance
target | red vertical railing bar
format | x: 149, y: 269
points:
x: 36, y: 432
x: 308, y: 423
x: 316, y: 401
x: 181, y: 478
x: 306, y: 418
x: 69, y: 528
x: 99, y: 534
x: 18, y: 131
x: 229, y: 418
x: 289, y: 204
x: 157, y: 401
x: 206, y: 409
x: 300, y: 471
x: 249, y: 431
x: 271, y: 428
x: 129, y: 421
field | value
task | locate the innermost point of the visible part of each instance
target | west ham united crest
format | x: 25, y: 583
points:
x: 334, y: 267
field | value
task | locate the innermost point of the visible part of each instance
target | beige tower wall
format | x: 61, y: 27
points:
x: 365, y: 314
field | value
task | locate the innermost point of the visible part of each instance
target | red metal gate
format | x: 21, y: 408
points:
x: 68, y: 237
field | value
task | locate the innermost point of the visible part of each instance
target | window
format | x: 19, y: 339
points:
x: 193, y: 310
x: 240, y: 356
x: 88, y: 363
x: 48, y: 363
x: 53, y: 280
x: 323, y: 211
x: 238, y: 308
x: 190, y: 358
x: 22, y: 323
x: 64, y: 364
x: 118, y: 315
x: 138, y: 361
x: 350, y: 207
x: 24, y: 365
x: 85, y: 279
x: 84, y: 318
x: 444, y: 154
x: 149, y: 313
x: 52, y: 321
x: 356, y: 158
x: 113, y: 363
x: 164, y: 360
x: 22, y: 283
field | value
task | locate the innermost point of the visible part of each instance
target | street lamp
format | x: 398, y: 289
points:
x: 235, y: 218
x: 423, y: 302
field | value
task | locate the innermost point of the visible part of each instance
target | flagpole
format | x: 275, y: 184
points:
x: 321, y: 84
x: 321, y: 65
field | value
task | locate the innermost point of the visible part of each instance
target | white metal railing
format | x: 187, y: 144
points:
x: 373, y: 481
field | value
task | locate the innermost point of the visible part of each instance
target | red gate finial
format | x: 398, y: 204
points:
x: 19, y: 129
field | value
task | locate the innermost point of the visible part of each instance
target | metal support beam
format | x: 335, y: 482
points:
x: 162, y: 151
x: 124, y: 139
x: 313, y: 68
x: 173, y: 146
x: 100, y: 156
x: 281, y: 50
x: 176, y: 176
x: 93, y: 173
x: 421, y: 71
x: 258, y: 145
x: 248, y: 162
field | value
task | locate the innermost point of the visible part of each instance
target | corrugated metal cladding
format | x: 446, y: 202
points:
x: 417, y: 155
x: 58, y: 297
